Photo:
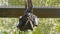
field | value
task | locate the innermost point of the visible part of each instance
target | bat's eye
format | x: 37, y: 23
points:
x: 28, y: 14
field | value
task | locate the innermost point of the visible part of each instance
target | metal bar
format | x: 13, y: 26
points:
x: 41, y: 12
x: 33, y: 7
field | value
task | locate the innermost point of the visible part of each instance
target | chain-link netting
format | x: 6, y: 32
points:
x: 45, y: 26
x: 36, y: 3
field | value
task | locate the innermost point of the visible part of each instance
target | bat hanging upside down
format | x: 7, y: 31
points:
x: 27, y: 22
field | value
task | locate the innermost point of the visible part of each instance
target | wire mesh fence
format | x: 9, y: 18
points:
x: 36, y: 3
x: 46, y: 26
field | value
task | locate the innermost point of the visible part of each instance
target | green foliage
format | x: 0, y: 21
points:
x: 36, y: 2
x: 46, y: 26
x: 16, y: 2
x: 57, y: 28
